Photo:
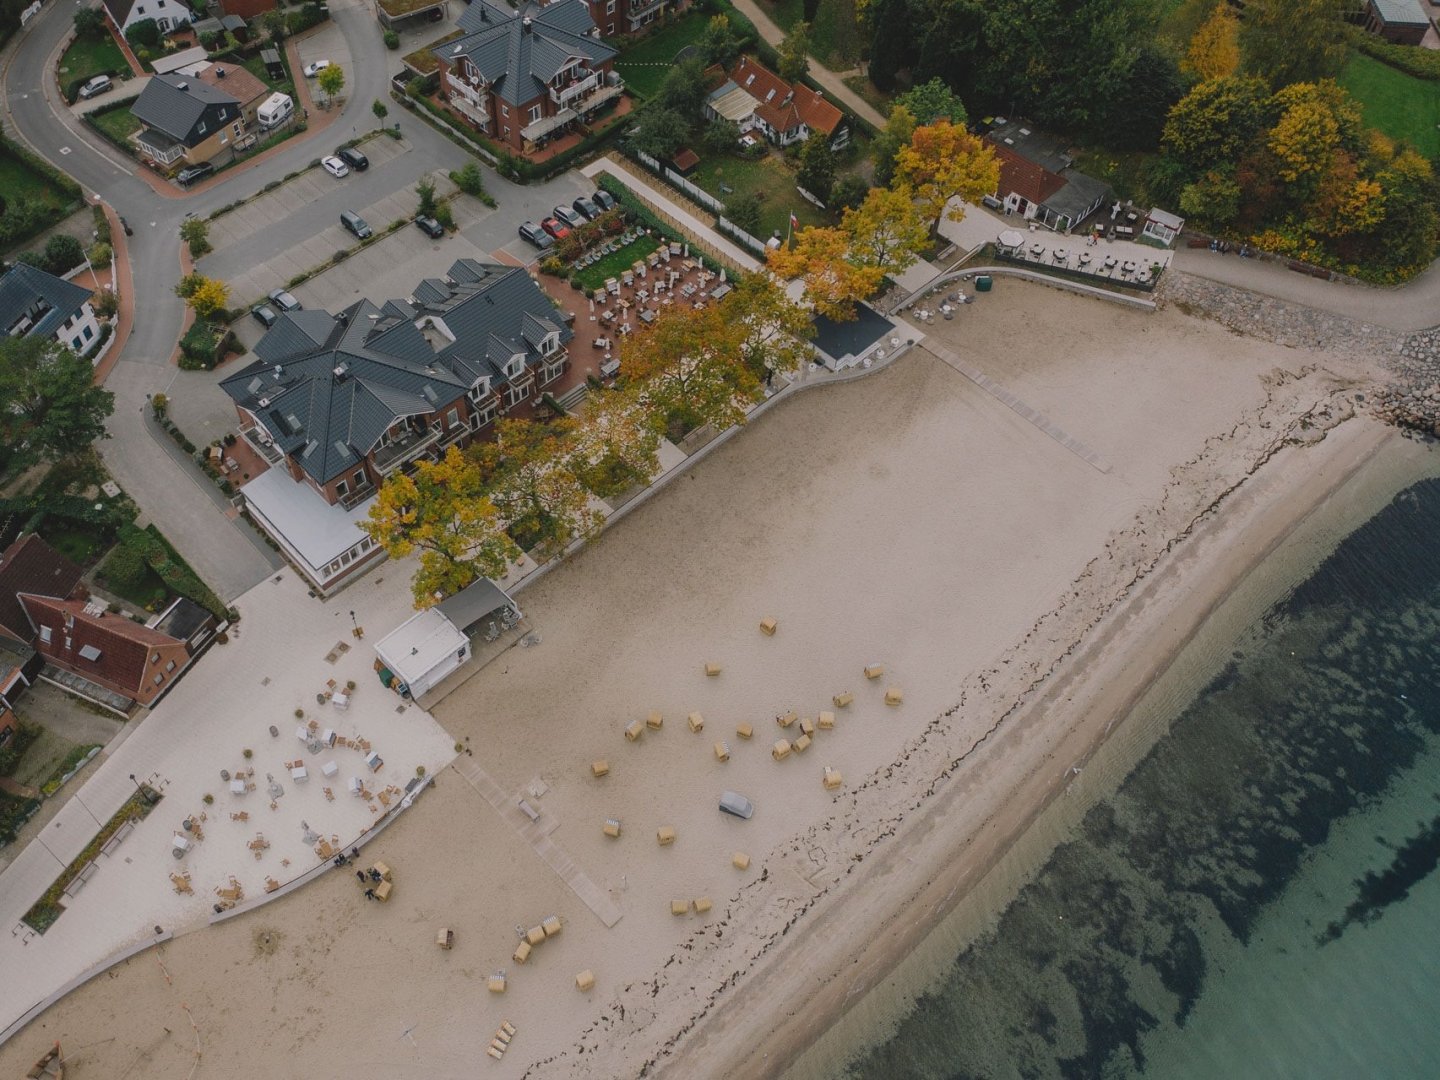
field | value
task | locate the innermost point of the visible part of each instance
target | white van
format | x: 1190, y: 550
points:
x: 276, y: 109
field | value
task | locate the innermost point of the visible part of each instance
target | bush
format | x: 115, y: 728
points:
x: 62, y: 253
x: 125, y: 567
x: 144, y: 34
x: 472, y: 182
x: 445, y: 216
x: 101, y: 255
x: 106, y: 304
x: 392, y: 40
x: 90, y: 24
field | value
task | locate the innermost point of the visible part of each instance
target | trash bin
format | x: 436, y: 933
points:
x: 982, y: 283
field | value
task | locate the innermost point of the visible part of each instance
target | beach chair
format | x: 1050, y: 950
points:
x: 702, y: 905
x: 654, y: 721
x: 781, y: 750
x: 551, y: 925
x: 679, y: 907
x: 894, y: 696
x: 740, y: 860
x: 807, y: 726
x: 496, y: 982
x: 826, y: 721
x: 874, y: 671
x: 841, y: 700
x: 712, y: 669
x: 612, y: 828
x: 522, y: 952
x: 445, y: 938
x: 634, y: 730
x: 785, y: 719
x: 599, y: 768
x: 745, y: 731
x: 585, y: 981
x: 802, y: 744
x: 722, y: 751
x: 665, y: 835
x: 696, y: 722
x: 535, y: 935
x: 768, y: 627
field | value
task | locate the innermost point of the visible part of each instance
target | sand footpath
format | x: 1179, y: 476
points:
x: 909, y: 519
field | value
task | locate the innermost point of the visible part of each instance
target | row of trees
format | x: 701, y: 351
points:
x: 530, y: 488
x: 892, y: 226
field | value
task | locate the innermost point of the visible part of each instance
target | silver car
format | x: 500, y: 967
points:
x: 736, y: 805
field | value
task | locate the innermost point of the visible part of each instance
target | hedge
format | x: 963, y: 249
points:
x: 1422, y: 63
x: 173, y: 570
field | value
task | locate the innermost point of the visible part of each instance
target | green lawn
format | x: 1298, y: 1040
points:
x: 148, y: 590
x: 770, y: 178
x: 87, y: 57
x: 593, y: 276
x: 119, y: 124
x: 257, y: 67
x: 19, y: 181
x: 1398, y: 104
x: 80, y: 546
x: 834, y: 37
x: 643, y: 65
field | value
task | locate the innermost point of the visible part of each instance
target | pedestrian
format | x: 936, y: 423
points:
x: 361, y: 875
x: 374, y: 874
x: 369, y: 894
x: 355, y: 853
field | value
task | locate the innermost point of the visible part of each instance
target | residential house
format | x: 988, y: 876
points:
x: 630, y: 16
x: 240, y: 84
x: 168, y: 14
x: 246, y: 9
x: 19, y: 667
x: 1403, y: 22
x: 337, y: 403
x: 30, y: 565
x: 1038, y: 181
x: 92, y: 650
x: 526, y: 77
x: 187, y: 120
x: 752, y: 97
x: 36, y: 304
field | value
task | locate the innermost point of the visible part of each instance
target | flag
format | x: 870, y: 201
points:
x: 794, y: 222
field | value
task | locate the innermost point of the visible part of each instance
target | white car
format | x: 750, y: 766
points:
x: 335, y: 167
x: 313, y: 69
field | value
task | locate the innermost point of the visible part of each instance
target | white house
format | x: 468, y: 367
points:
x: 168, y: 14
x: 34, y: 303
x: 427, y: 647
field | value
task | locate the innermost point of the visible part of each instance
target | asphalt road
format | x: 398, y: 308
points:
x: 226, y: 553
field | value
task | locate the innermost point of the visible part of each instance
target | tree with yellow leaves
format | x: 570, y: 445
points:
x: 1215, y: 49
x: 525, y: 472
x: 821, y: 258
x: 886, y: 230
x: 943, y: 162
x: 772, y: 329
x: 616, y: 446
x: 687, y: 370
x: 206, y: 296
x: 442, y: 511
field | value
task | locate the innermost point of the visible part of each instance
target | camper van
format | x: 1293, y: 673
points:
x: 277, y: 109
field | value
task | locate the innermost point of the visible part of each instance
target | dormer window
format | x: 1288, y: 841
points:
x: 516, y: 366
x: 551, y: 344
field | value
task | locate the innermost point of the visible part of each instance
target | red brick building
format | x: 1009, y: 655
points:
x: 526, y: 77
x: 630, y: 16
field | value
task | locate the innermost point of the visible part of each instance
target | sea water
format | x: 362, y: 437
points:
x: 1259, y: 898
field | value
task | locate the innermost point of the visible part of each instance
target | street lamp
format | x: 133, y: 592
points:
x: 141, y: 789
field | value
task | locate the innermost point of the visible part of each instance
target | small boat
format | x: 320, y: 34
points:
x: 49, y: 1066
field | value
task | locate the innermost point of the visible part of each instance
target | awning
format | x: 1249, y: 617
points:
x: 1011, y: 239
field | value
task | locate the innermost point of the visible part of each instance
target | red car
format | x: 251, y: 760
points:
x: 555, y: 228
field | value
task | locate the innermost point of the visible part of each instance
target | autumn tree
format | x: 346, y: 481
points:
x: 886, y: 230
x: 207, y: 297
x: 52, y: 405
x: 792, y: 56
x: 525, y: 472
x: 616, y: 446
x: 1289, y: 41
x: 687, y: 370
x: 331, y: 81
x: 1214, y: 51
x: 442, y: 511
x: 195, y: 231
x: 1215, y: 122
x: 944, y: 162
x: 773, y: 331
x: 893, y: 137
x: 821, y: 258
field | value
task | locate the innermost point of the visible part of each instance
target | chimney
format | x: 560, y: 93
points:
x: 526, y: 23
x: 183, y: 86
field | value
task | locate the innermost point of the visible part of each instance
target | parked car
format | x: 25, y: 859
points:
x: 604, y: 200
x: 313, y: 69
x: 283, y: 300
x: 572, y: 218
x: 534, y: 234
x: 188, y: 175
x: 736, y: 805
x: 355, y: 224
x: 265, y: 315
x: 555, y: 228
x: 430, y: 227
x: 587, y: 207
x: 354, y: 158
x: 335, y: 167
x: 98, y: 85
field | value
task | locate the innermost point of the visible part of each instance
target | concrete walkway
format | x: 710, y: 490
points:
x: 828, y: 80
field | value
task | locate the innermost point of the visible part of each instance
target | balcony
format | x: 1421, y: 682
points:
x: 469, y: 107
x: 575, y: 89
x: 641, y: 12
x: 352, y: 499
x: 547, y: 124
x: 407, y: 448
x: 598, y: 98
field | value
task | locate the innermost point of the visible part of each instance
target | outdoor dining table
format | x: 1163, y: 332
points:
x: 237, y: 787
x: 1109, y: 261
x: 1084, y: 257
x: 1037, y: 250
x: 647, y: 316
x: 1058, y: 254
x: 1127, y: 267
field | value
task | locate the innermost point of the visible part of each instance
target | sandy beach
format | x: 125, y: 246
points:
x: 1021, y: 596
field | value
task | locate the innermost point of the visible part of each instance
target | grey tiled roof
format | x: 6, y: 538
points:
x: 519, y: 60
x: 49, y: 301
x: 1401, y: 13
x: 163, y: 105
x: 327, y: 387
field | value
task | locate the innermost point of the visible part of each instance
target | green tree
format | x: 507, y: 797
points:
x: 1215, y: 122
x: 274, y: 21
x: 953, y: 48
x: 896, y: 134
x: 470, y: 180
x: 90, y: 24
x: 53, y: 406
x: 1214, y: 198
x: 792, y: 56
x: 380, y: 110
x: 719, y: 44
x: 331, y: 81
x: 425, y: 190
x: 743, y: 210
x: 1287, y: 41
x: 195, y: 231
x: 848, y: 192
x: 144, y: 34
x: 933, y: 101
x: 1135, y: 118
x: 816, y: 172
x: 442, y: 511
x: 63, y: 253
x: 659, y: 131
x: 892, y: 42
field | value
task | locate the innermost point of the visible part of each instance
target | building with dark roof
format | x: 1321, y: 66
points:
x: 529, y: 76
x: 168, y: 14
x: 752, y: 97
x: 1038, y: 180
x: 630, y: 16
x: 861, y: 340
x: 30, y: 565
x: 1403, y: 22
x: 340, y: 402
x: 36, y: 304
x: 187, y: 119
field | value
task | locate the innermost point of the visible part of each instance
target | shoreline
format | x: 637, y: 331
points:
x: 786, y: 1010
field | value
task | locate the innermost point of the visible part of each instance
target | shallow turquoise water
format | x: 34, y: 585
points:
x: 1214, y: 917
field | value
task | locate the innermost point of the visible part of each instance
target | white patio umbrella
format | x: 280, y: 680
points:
x: 1011, y: 239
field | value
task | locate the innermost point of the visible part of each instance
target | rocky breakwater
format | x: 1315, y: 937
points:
x: 1413, y: 400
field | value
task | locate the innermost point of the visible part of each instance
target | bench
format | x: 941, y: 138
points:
x: 528, y: 810
x: 117, y: 837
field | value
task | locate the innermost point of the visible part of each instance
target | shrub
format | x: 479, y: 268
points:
x: 90, y: 24
x: 101, y: 255
x: 144, y: 34
x: 124, y: 566
x: 106, y: 303
x: 63, y: 253
x: 445, y: 216
x: 392, y: 40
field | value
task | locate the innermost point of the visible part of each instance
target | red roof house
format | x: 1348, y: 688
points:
x: 30, y: 565
x: 110, y: 650
x: 753, y: 96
